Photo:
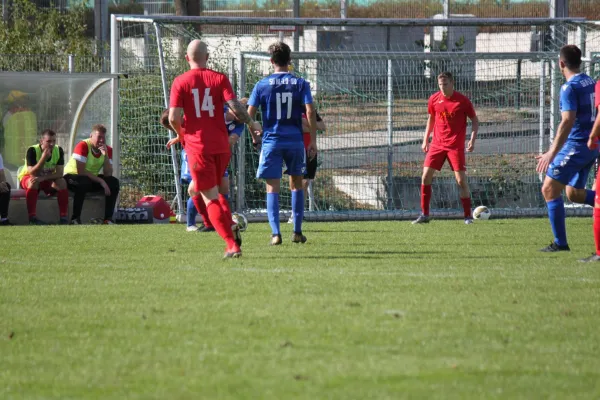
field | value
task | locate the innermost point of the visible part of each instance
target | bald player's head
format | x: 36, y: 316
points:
x: 197, y: 52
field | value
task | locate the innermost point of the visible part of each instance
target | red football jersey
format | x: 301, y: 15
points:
x: 202, y: 93
x: 450, y: 119
x: 597, y: 95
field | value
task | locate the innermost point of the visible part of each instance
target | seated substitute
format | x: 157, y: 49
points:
x: 82, y: 174
x: 4, y: 196
x: 43, y: 170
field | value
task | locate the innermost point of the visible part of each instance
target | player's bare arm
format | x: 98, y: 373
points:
x: 544, y: 160
x: 428, y: 129
x: 35, y: 170
x: 594, y: 134
x: 243, y: 116
x: 474, y: 130
x: 107, y: 166
x: 255, y: 136
x: 175, y: 120
x: 311, y: 116
x: 84, y: 172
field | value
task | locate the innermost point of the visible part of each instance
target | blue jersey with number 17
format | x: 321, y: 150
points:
x: 578, y: 95
x: 281, y: 98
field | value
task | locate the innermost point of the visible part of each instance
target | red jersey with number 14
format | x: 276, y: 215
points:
x: 202, y: 93
x: 450, y: 119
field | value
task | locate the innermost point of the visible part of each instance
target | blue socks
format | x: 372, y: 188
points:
x: 556, y: 213
x: 298, y: 209
x: 590, y: 197
x: 273, y: 212
x: 191, y: 212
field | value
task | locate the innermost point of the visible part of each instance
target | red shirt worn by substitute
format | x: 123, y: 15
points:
x: 80, y: 152
x: 450, y: 119
x: 202, y: 93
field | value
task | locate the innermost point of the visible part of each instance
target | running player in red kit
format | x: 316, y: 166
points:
x: 448, y: 112
x: 200, y: 95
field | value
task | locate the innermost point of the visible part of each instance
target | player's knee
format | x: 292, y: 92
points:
x: 60, y: 184
x: 575, y: 195
x: 427, y: 178
x: 549, y: 191
x: 33, y: 185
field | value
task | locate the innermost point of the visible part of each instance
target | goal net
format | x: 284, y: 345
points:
x: 371, y: 80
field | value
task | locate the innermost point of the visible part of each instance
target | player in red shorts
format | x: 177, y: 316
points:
x: 200, y: 95
x: 593, y: 144
x: 448, y: 112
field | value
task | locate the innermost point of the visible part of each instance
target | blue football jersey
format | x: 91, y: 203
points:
x: 233, y: 127
x: 578, y: 95
x: 281, y: 98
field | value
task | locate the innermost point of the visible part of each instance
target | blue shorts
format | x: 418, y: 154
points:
x: 572, y: 164
x: 272, y: 158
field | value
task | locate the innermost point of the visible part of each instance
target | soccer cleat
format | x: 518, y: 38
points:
x: 298, y: 238
x: 552, y: 247
x: 276, y: 240
x: 291, y: 220
x: 237, y: 234
x: 75, y: 221
x: 63, y: 221
x: 423, y: 219
x: 206, y: 229
x: 468, y: 221
x: 6, y: 222
x: 592, y: 258
x: 108, y: 222
x: 233, y: 252
x: 96, y: 221
x: 35, y: 221
x: 192, y: 228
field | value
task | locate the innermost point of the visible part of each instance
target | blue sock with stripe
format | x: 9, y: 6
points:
x: 273, y: 212
x: 590, y: 197
x: 191, y: 212
x: 298, y: 209
x: 556, y: 213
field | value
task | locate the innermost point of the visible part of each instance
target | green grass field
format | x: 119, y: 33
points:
x: 362, y: 310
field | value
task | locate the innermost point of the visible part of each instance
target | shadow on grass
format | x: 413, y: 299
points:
x: 396, y: 252
x: 345, y: 231
x: 322, y: 257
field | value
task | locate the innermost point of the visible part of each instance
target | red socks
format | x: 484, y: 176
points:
x: 225, y: 205
x: 466, y: 203
x: 597, y: 229
x: 201, y: 207
x: 221, y: 221
x: 63, y: 202
x: 425, y: 199
x: 31, y: 198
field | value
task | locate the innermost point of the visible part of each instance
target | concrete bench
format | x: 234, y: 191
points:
x: 47, y: 207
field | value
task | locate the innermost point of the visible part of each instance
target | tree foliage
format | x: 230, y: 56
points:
x: 32, y: 30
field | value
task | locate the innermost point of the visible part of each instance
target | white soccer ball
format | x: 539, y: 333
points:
x: 482, y: 213
x: 241, y: 220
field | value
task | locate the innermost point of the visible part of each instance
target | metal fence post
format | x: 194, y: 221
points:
x: 163, y: 76
x: 241, y: 153
x: 542, y: 100
x: 390, y: 131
